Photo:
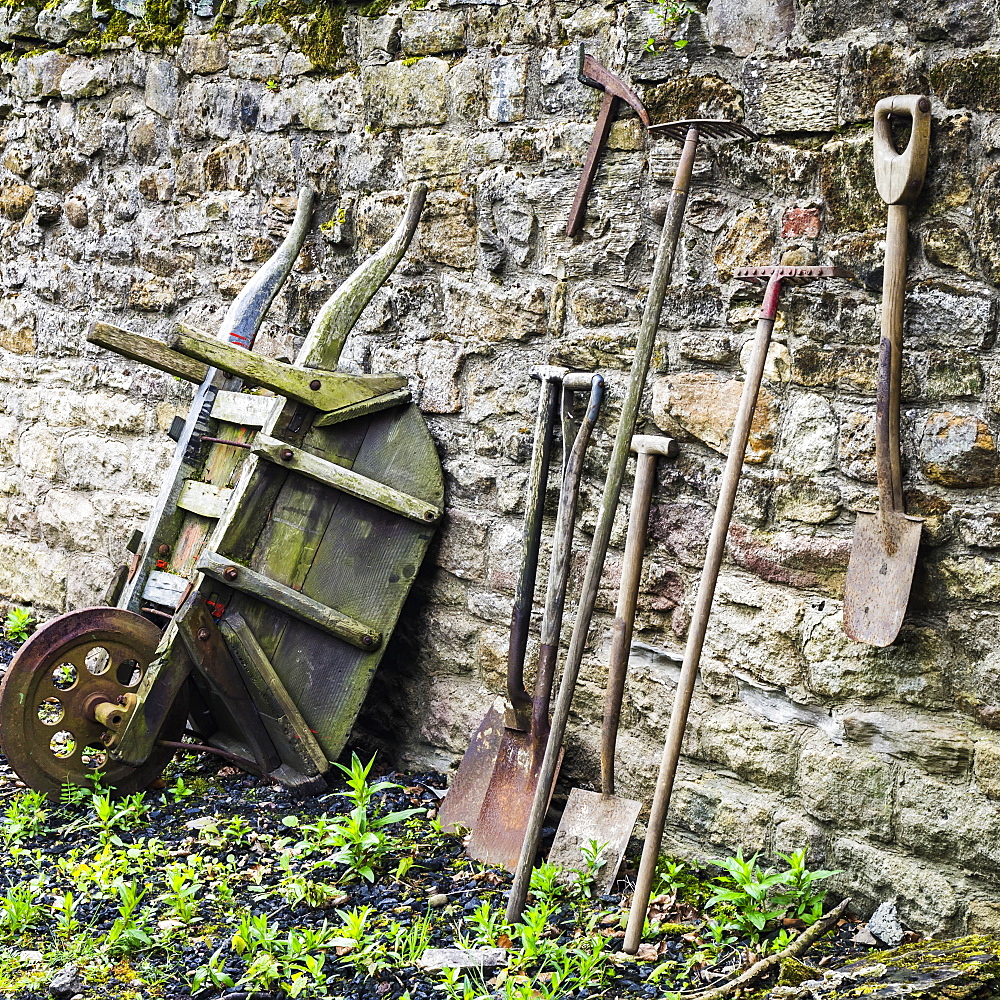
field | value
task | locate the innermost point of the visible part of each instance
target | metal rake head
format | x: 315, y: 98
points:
x: 789, y: 274
x: 713, y: 128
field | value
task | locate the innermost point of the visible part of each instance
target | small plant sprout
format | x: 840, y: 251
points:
x: 25, y: 817
x: 17, y: 625
x: 670, y: 14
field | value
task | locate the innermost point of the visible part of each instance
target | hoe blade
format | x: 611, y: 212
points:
x: 879, y: 576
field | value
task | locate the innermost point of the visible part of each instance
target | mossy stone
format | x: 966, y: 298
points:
x: 692, y: 97
x: 847, y: 185
x: 970, y: 82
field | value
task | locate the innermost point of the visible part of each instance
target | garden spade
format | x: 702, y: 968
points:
x: 499, y: 829
x: 603, y: 818
x: 460, y: 808
x: 884, y: 549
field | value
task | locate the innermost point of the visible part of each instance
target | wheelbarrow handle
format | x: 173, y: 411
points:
x: 899, y: 176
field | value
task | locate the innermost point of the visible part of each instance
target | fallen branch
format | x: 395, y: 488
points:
x: 796, y: 948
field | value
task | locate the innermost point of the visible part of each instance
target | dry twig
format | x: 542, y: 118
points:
x: 796, y: 948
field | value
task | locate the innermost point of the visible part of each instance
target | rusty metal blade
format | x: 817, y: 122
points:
x: 460, y: 808
x: 499, y: 829
x: 591, y: 816
x: 877, y: 589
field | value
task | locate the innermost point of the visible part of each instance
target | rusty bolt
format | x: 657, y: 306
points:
x: 924, y: 104
x: 203, y: 634
x: 164, y: 550
x: 286, y: 454
x: 367, y: 640
x: 315, y: 385
x: 428, y: 515
x: 230, y: 572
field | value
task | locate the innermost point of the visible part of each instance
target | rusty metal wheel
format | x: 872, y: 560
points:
x: 73, y: 665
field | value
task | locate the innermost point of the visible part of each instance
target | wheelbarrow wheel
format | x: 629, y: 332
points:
x: 48, y: 729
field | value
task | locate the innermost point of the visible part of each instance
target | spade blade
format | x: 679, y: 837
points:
x: 879, y: 576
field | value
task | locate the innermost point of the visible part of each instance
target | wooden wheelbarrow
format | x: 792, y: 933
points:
x: 276, y: 560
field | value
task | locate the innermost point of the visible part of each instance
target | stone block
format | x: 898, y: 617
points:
x: 61, y: 22
x: 432, y: 32
x: 209, y: 108
x: 947, y: 244
x: 936, y: 748
x: 986, y: 766
x: 89, y: 461
x: 856, y: 448
x: 746, y: 243
x: 506, y: 88
x: 39, y: 451
x: 759, y: 752
x: 18, y: 22
x: 31, y: 573
x: 703, y: 405
x: 600, y: 305
x: 17, y: 323
x: 430, y: 154
x: 378, y: 37
x: 462, y: 546
x: 398, y: 95
x: 162, y: 83
x: 939, y: 822
x: 854, y: 790
x: 749, y: 27
x: 808, y: 436
x: 943, y: 314
x: 87, y: 579
x: 958, y: 450
x: 958, y: 22
x: 798, y: 95
x: 69, y: 522
x: 203, y: 54
x: 910, y: 671
x: 806, y: 500
x: 37, y: 77
x: 84, y: 79
x: 448, y: 230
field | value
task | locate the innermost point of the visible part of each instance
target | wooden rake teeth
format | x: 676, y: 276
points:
x: 711, y: 128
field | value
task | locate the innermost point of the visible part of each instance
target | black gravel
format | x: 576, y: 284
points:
x: 270, y: 820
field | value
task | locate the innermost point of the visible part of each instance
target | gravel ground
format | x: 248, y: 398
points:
x: 216, y: 846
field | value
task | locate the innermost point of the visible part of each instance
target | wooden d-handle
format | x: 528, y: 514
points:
x: 900, y: 176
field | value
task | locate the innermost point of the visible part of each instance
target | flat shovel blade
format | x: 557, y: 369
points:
x: 878, y: 583
x: 589, y: 816
x: 498, y: 833
x: 461, y: 806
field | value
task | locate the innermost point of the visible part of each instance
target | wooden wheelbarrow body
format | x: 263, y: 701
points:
x: 285, y: 542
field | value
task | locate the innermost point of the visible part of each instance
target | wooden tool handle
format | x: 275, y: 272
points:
x: 900, y: 176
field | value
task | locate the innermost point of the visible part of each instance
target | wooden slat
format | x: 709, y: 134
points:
x: 333, y: 389
x: 365, y: 408
x: 246, y: 581
x: 308, y: 756
x: 243, y: 408
x: 203, y: 498
x: 147, y: 350
x: 345, y: 480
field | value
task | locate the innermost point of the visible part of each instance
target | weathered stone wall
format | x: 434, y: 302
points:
x: 143, y: 187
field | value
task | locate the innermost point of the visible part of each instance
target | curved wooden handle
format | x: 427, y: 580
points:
x: 900, y: 176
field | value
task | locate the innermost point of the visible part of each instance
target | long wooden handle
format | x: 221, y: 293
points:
x: 699, y: 626
x: 600, y: 138
x: 887, y: 454
x: 621, y: 633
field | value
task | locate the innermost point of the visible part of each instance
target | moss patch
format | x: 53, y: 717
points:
x: 317, y: 27
x: 693, y: 97
x: 972, y: 82
x: 847, y: 186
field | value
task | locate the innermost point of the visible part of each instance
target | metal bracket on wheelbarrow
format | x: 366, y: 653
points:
x: 281, y: 550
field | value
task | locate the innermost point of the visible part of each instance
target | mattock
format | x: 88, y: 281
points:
x: 592, y: 74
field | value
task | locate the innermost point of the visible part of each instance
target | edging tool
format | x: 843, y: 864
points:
x: 604, y: 817
x: 592, y: 74
x: 691, y: 131
x: 775, y: 276
x: 884, y: 548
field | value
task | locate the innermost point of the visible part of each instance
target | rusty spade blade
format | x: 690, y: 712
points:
x: 884, y: 550
x: 498, y: 834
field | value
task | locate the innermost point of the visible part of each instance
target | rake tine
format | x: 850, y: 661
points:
x: 713, y: 128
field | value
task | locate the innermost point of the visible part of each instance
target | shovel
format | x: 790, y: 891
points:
x: 775, y: 277
x: 499, y: 830
x: 460, y: 808
x: 605, y: 818
x: 884, y: 549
